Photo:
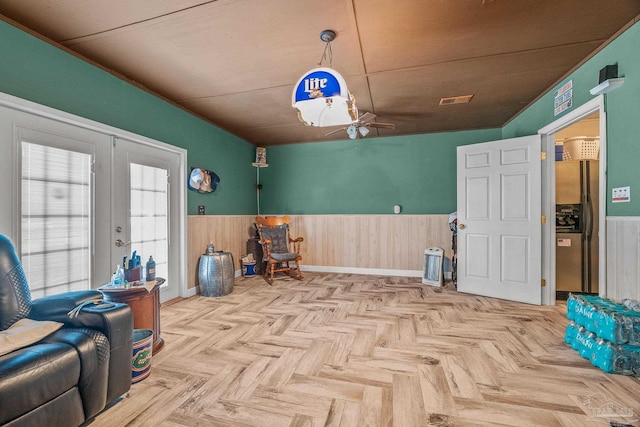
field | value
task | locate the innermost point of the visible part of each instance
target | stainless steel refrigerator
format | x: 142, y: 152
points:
x: 577, y: 226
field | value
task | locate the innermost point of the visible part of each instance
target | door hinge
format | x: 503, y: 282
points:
x: 543, y: 219
x: 543, y: 283
x: 543, y: 155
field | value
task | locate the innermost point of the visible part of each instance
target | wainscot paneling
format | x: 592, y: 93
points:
x: 623, y: 257
x: 386, y: 242
x: 376, y: 244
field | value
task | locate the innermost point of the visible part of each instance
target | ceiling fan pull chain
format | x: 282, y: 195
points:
x: 324, y: 55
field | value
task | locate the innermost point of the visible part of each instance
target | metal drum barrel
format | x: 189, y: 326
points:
x: 216, y: 274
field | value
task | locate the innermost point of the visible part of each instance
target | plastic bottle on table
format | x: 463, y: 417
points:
x: 151, y: 269
x: 118, y: 276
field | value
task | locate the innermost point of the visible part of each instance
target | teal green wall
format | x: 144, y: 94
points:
x: 623, y: 115
x: 366, y: 176
x: 37, y: 71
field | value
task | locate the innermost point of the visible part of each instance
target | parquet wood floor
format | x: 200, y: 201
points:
x: 349, y: 350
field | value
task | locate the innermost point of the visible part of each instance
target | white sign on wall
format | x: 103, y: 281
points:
x: 563, y: 98
x: 621, y: 194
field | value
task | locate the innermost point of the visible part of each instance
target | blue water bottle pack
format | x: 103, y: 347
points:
x: 606, y: 333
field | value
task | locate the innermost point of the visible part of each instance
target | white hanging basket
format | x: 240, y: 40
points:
x: 581, y: 148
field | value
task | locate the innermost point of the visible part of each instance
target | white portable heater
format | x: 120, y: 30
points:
x: 432, y: 273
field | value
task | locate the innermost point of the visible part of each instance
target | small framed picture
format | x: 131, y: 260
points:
x: 261, y: 156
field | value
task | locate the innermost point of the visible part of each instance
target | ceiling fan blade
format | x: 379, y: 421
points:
x: 382, y: 125
x: 334, y: 131
x: 366, y: 118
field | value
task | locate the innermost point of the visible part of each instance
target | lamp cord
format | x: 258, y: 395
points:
x: 258, y: 189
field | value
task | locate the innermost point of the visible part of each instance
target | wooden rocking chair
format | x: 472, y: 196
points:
x: 277, y: 253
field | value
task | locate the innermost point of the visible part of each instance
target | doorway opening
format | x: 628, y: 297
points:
x: 574, y: 195
x: 577, y: 200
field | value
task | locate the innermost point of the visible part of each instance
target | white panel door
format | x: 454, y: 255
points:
x: 499, y: 227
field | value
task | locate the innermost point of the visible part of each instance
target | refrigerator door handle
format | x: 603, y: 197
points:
x: 589, y: 219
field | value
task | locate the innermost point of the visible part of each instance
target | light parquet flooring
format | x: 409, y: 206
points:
x: 349, y: 350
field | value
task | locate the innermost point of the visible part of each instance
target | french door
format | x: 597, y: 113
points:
x: 145, y: 181
x: 68, y: 185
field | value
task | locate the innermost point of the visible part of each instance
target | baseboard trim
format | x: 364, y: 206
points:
x: 350, y: 270
x: 191, y: 292
x: 366, y: 271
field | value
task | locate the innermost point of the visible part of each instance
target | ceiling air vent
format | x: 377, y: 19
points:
x: 455, y: 100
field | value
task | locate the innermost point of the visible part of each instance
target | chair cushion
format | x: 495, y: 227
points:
x: 34, y: 375
x: 278, y: 236
x: 93, y: 349
x: 24, y: 333
x: 287, y: 256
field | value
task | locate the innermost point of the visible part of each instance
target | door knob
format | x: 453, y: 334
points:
x: 461, y: 226
x: 119, y: 242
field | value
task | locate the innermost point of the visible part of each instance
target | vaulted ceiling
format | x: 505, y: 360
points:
x: 235, y: 62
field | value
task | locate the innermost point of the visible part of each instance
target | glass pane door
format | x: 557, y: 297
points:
x: 145, y: 212
x: 149, y: 200
x: 61, y: 171
x: 56, y: 219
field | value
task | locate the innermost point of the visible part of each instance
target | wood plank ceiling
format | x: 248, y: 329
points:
x: 235, y: 62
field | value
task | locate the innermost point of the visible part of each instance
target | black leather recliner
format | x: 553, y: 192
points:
x: 71, y: 375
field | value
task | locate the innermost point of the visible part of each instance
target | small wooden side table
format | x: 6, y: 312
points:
x: 144, y: 304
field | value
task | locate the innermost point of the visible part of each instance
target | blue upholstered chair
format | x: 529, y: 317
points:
x: 281, y: 252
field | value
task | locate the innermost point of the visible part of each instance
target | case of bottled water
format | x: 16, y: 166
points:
x: 604, y: 332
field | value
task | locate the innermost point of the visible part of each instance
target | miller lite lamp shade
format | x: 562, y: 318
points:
x: 322, y: 99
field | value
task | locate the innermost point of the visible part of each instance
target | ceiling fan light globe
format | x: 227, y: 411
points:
x: 352, y: 131
x: 364, y: 131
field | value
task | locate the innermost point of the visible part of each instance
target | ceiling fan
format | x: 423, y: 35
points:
x: 360, y: 126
